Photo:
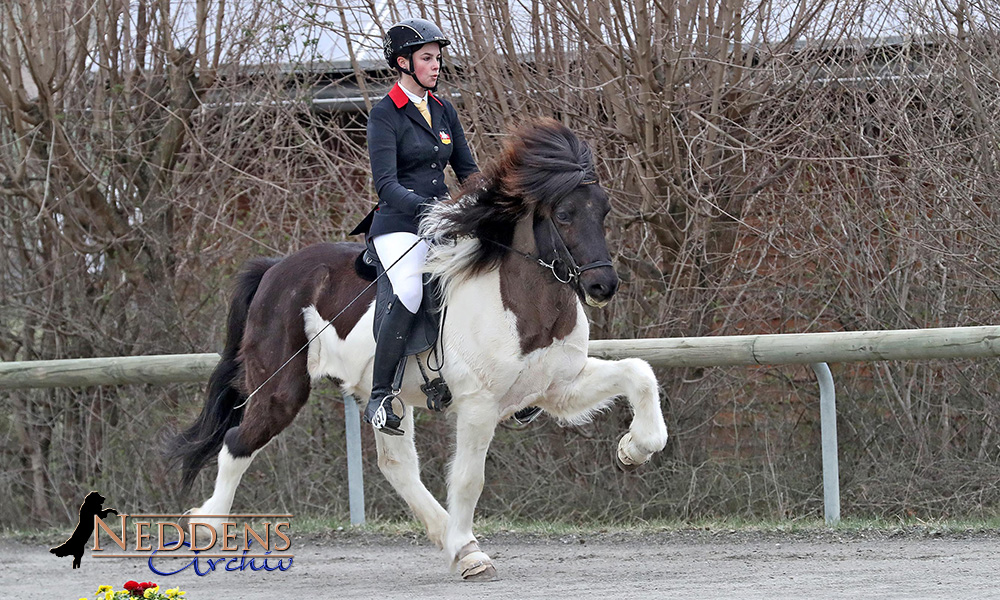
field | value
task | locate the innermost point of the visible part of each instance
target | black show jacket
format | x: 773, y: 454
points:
x: 408, y: 158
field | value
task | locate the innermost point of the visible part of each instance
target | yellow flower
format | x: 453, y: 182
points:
x: 109, y: 595
x: 104, y: 588
x: 148, y: 593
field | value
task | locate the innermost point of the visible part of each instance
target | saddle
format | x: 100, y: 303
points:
x: 426, y: 327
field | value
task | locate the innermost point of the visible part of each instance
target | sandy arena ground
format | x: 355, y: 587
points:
x: 672, y: 564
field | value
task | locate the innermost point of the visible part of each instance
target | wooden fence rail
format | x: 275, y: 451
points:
x: 793, y: 348
x: 117, y: 370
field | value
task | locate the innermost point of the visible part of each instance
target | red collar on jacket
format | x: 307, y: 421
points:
x: 399, y: 97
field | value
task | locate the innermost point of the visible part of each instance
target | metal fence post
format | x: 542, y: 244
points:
x: 355, y: 477
x: 828, y: 434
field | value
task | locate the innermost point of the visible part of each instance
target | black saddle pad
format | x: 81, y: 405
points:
x: 427, y: 323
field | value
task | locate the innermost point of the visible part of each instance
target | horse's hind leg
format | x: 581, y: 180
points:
x: 397, y: 459
x: 600, y: 382
x: 267, y: 414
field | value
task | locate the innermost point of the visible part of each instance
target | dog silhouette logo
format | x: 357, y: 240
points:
x: 76, y: 544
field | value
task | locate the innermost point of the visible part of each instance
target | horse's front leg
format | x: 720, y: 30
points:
x: 476, y: 425
x: 398, y: 461
x: 600, y: 382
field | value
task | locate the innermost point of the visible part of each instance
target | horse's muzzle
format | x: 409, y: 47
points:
x: 598, y: 286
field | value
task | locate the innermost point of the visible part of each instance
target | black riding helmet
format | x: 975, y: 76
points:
x: 405, y: 37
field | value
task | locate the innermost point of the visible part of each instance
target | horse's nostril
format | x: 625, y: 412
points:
x: 600, y: 290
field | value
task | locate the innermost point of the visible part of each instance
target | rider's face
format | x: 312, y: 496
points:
x: 426, y: 63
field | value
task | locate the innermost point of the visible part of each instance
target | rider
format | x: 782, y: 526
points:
x: 412, y: 135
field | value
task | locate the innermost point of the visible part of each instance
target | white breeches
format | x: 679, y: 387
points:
x: 406, y: 275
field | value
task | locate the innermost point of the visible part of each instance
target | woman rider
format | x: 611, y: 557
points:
x: 412, y: 135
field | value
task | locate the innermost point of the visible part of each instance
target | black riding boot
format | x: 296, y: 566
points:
x: 389, y: 349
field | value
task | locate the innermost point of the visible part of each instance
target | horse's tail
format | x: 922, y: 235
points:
x: 191, y: 449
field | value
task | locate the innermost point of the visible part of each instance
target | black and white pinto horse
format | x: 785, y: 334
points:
x: 515, y: 335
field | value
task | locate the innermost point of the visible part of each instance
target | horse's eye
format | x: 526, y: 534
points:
x: 562, y: 216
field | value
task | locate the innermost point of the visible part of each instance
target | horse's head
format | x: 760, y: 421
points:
x: 553, y: 171
x: 570, y: 236
x: 544, y: 178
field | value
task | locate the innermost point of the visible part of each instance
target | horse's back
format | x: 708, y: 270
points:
x: 320, y: 275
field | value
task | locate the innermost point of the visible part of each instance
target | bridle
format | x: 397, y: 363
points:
x: 564, y: 258
x: 573, y: 270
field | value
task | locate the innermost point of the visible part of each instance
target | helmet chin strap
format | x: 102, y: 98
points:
x: 413, y: 73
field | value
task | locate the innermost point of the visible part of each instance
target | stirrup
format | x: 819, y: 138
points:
x: 526, y: 415
x: 379, y: 420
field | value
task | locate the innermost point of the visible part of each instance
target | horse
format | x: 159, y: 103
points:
x: 516, y: 254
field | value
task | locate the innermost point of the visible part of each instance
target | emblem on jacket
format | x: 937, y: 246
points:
x: 445, y: 138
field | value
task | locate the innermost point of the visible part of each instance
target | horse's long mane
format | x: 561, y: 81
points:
x: 541, y: 162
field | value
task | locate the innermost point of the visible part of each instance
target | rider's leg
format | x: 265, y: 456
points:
x: 404, y: 267
x: 405, y: 275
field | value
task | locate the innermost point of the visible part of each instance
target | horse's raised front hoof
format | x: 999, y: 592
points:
x: 475, y: 565
x: 623, y: 466
x: 623, y: 461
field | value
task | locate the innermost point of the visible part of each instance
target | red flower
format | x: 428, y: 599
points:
x: 137, y: 589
